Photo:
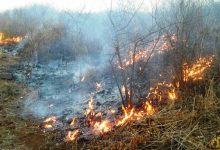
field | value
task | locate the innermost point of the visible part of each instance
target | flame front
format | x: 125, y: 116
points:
x: 90, y: 113
x: 161, y: 93
x: 159, y: 46
x: 196, y: 70
x: 49, y: 122
x: 128, y: 113
x: 73, y: 122
x: 102, y: 127
x: 8, y: 41
x: 72, y: 135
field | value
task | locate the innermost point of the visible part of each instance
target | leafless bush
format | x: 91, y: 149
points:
x: 130, y: 39
x: 37, y: 40
x: 188, y: 32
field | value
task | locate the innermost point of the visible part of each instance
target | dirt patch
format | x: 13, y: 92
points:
x: 15, y: 132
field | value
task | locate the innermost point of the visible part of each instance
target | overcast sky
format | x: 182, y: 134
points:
x: 74, y: 5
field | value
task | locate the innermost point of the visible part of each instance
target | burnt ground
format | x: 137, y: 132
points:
x: 193, y: 123
x: 19, y: 128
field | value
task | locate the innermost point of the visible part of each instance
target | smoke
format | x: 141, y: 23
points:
x: 65, y: 55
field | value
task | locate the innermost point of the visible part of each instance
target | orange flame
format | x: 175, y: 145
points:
x: 160, y: 46
x: 7, y: 41
x: 102, y: 127
x: 73, y: 122
x: 128, y: 113
x: 90, y: 113
x: 72, y: 135
x: 149, y: 108
x: 49, y: 122
x: 195, y: 72
x: 161, y: 91
x: 94, y: 120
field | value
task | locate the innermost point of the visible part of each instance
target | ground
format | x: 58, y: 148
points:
x: 15, y: 132
x: 193, y: 122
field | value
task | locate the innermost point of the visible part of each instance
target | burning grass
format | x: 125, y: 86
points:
x: 158, y: 46
x: 178, y: 124
x: 189, y: 125
x: 196, y: 70
x: 4, y: 40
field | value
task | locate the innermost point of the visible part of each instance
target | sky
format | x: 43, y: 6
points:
x: 73, y: 5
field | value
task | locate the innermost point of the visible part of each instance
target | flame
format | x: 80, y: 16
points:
x: 1, y: 36
x: 73, y: 122
x: 90, y: 113
x: 172, y: 95
x: 72, y: 135
x: 49, y: 122
x: 113, y: 111
x: 196, y: 70
x: 162, y: 91
x: 94, y: 120
x: 141, y: 54
x: 149, y: 108
x: 128, y: 113
x: 102, y: 127
x: 7, y: 41
x: 47, y: 126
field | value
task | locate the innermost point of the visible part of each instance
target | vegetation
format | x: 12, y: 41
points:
x: 179, y: 37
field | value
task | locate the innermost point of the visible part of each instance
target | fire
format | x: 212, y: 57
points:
x: 163, y: 91
x: 196, y: 70
x: 73, y: 122
x: 1, y: 36
x: 90, y: 113
x: 49, y: 122
x: 128, y: 113
x: 149, y: 108
x: 95, y: 121
x: 102, y: 127
x: 50, y: 119
x: 172, y: 95
x: 8, y: 41
x: 72, y: 135
x: 142, y: 54
x: 113, y: 111
x: 47, y: 126
x: 101, y: 123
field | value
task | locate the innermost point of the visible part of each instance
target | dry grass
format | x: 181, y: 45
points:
x: 7, y: 60
x: 188, y: 125
x: 15, y: 132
